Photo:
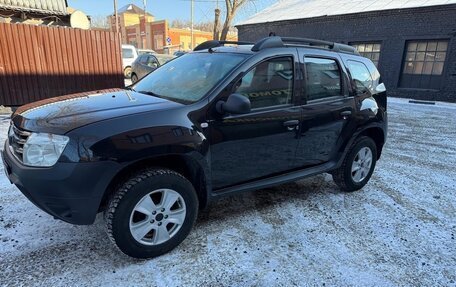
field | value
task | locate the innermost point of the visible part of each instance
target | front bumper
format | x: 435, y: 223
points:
x: 71, y: 192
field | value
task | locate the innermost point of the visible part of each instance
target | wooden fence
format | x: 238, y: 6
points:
x: 38, y: 62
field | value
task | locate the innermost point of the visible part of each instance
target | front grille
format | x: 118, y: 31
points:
x: 17, y: 140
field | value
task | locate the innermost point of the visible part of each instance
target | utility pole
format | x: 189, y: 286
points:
x: 192, y: 42
x: 115, y: 15
x: 143, y: 44
x: 216, y: 22
x: 216, y: 25
x: 145, y: 8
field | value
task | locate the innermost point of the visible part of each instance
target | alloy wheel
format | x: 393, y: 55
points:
x: 361, y: 164
x: 157, y: 217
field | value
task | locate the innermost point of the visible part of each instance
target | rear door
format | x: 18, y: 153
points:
x: 327, y: 108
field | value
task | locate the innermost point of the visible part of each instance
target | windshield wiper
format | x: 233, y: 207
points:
x: 130, y: 88
x: 185, y: 102
x: 150, y: 94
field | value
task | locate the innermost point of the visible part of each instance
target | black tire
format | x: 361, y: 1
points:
x: 343, y: 175
x: 134, y: 78
x: 127, y: 196
x: 127, y: 72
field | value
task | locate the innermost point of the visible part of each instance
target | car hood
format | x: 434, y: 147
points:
x: 62, y: 114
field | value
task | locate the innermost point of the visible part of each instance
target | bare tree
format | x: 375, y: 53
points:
x: 232, y: 7
x: 202, y: 26
x: 99, y: 21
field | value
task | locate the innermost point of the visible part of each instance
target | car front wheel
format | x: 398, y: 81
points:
x: 358, y: 165
x: 151, y: 213
x: 127, y: 72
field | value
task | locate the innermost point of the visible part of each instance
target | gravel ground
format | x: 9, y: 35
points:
x: 398, y: 231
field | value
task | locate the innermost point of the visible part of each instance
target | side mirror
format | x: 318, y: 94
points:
x: 380, y: 88
x: 235, y: 104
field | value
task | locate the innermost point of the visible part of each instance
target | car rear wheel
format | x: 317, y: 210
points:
x: 134, y: 78
x: 358, y: 165
x: 151, y: 213
x: 127, y: 72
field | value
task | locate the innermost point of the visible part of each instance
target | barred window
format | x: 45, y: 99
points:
x: 423, y: 64
x: 425, y: 57
x: 369, y: 50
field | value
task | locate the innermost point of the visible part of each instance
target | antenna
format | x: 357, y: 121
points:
x: 79, y: 20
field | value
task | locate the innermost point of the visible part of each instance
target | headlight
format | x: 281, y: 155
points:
x: 43, y: 149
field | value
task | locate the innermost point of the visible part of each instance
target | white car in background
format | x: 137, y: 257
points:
x: 129, y: 55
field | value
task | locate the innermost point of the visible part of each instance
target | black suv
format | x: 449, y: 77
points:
x: 217, y: 121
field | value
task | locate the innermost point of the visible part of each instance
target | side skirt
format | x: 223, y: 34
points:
x: 273, y: 181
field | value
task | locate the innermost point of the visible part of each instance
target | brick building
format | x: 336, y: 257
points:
x: 413, y: 42
x: 132, y: 21
x: 146, y: 33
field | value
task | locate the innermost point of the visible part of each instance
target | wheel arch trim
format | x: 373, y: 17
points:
x: 192, y: 166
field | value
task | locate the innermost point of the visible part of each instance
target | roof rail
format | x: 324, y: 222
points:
x: 276, y: 42
x: 214, y: 44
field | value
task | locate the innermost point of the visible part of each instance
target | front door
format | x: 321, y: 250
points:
x: 263, y: 142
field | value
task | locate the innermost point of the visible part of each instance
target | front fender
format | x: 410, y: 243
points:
x: 143, y: 143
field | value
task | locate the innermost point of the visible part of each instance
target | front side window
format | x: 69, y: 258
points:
x: 152, y: 62
x: 361, y: 76
x: 189, y: 78
x: 323, y: 78
x: 143, y: 59
x: 268, y: 84
x: 423, y: 64
x: 370, y: 50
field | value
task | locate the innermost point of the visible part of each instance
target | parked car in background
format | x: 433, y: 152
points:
x: 129, y: 55
x: 146, y: 51
x: 147, y: 63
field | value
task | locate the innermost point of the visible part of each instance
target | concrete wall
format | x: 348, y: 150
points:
x: 392, y: 28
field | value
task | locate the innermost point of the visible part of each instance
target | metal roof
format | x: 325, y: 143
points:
x: 54, y: 7
x: 301, y: 9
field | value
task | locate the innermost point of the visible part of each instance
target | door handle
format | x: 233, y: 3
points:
x: 291, y: 123
x: 345, y: 114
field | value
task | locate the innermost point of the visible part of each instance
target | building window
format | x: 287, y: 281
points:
x: 369, y: 50
x: 158, y: 42
x: 423, y: 64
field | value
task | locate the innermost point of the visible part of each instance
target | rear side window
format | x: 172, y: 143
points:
x: 127, y: 53
x: 323, y: 78
x: 269, y: 84
x: 361, y: 77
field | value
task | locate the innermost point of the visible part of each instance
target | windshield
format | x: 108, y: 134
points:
x: 188, y: 79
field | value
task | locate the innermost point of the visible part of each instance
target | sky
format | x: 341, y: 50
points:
x: 169, y: 9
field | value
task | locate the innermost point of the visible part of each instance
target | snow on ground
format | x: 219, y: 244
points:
x: 399, y: 230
